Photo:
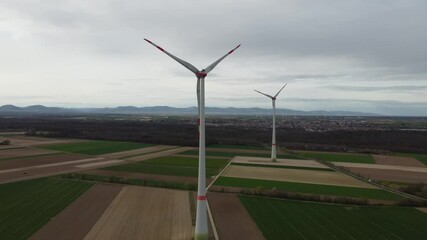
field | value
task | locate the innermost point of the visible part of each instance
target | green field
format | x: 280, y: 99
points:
x: 420, y: 157
x: 28, y: 205
x: 293, y: 220
x: 95, y: 147
x: 233, y: 154
x: 172, y: 165
x: 338, y: 157
x: 282, y: 166
x: 365, y: 193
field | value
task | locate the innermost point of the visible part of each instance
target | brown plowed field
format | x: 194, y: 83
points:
x: 159, y: 154
x: 280, y: 162
x: 145, y: 213
x: 165, y: 178
x: 424, y: 210
x: 74, y: 222
x: 295, y: 175
x: 231, y: 218
x: 33, y: 141
x: 397, y: 160
x: 136, y: 151
x: 23, y: 152
x: 32, y: 161
x: 391, y: 175
x: 237, y: 150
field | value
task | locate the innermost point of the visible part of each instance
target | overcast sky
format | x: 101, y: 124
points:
x: 368, y: 56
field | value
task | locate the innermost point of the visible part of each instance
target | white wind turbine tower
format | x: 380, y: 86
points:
x: 201, y: 231
x: 273, y: 142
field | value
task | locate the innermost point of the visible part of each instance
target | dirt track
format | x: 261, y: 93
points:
x: 231, y: 218
x: 142, y: 176
x: 140, y: 213
x: 382, y: 167
x: 397, y: 160
x: 295, y: 175
x: 137, y: 151
x: 391, y: 175
x: 74, y: 222
x: 280, y: 162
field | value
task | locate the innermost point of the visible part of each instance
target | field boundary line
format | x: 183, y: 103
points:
x: 219, y: 174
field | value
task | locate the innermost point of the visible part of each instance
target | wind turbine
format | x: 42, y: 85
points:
x: 201, y: 231
x: 273, y: 142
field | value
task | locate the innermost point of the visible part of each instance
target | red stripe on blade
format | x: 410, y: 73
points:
x: 161, y: 49
x: 201, y: 198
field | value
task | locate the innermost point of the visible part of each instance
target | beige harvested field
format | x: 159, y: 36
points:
x: 295, y: 175
x: 231, y: 218
x: 79, y: 217
x: 40, y: 160
x: 138, y: 151
x: 397, y: 160
x: 280, y: 162
x: 159, y: 154
x: 382, y: 167
x: 391, y: 175
x: 166, y: 178
x: 424, y: 210
x: 145, y: 213
x: 23, y: 152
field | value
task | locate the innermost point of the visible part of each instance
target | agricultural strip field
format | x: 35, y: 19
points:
x: 28, y: 205
x: 14, y: 153
x: 95, y: 147
x: 420, y: 157
x: 391, y: 175
x: 281, y: 166
x: 293, y: 220
x: 280, y: 162
x: 295, y: 175
x: 75, y: 221
x: 145, y: 213
x: 397, y: 160
x: 172, y: 165
x: 137, y: 152
x: 235, y: 147
x: 231, y: 218
x: 233, y: 154
x: 338, y: 157
x: 364, y: 193
x: 38, y: 160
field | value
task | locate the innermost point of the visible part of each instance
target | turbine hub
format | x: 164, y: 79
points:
x: 201, y: 74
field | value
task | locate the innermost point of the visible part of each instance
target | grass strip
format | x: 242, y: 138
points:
x: 233, y: 154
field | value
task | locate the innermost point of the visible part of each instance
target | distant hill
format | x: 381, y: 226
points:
x: 165, y: 110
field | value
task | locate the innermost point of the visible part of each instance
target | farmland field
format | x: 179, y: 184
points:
x: 236, y: 147
x: 337, y: 157
x: 95, y: 147
x: 28, y: 205
x: 283, y: 219
x: 233, y: 154
x: 364, y: 193
x: 420, y: 157
x: 281, y: 166
x: 174, y: 165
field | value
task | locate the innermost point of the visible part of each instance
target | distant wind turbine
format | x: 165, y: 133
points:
x: 201, y: 231
x: 273, y: 142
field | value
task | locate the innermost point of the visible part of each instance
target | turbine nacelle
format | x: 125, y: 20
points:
x: 201, y: 74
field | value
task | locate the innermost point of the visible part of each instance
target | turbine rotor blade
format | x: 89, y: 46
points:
x: 280, y: 90
x: 213, y: 65
x: 182, y: 62
x: 264, y: 94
